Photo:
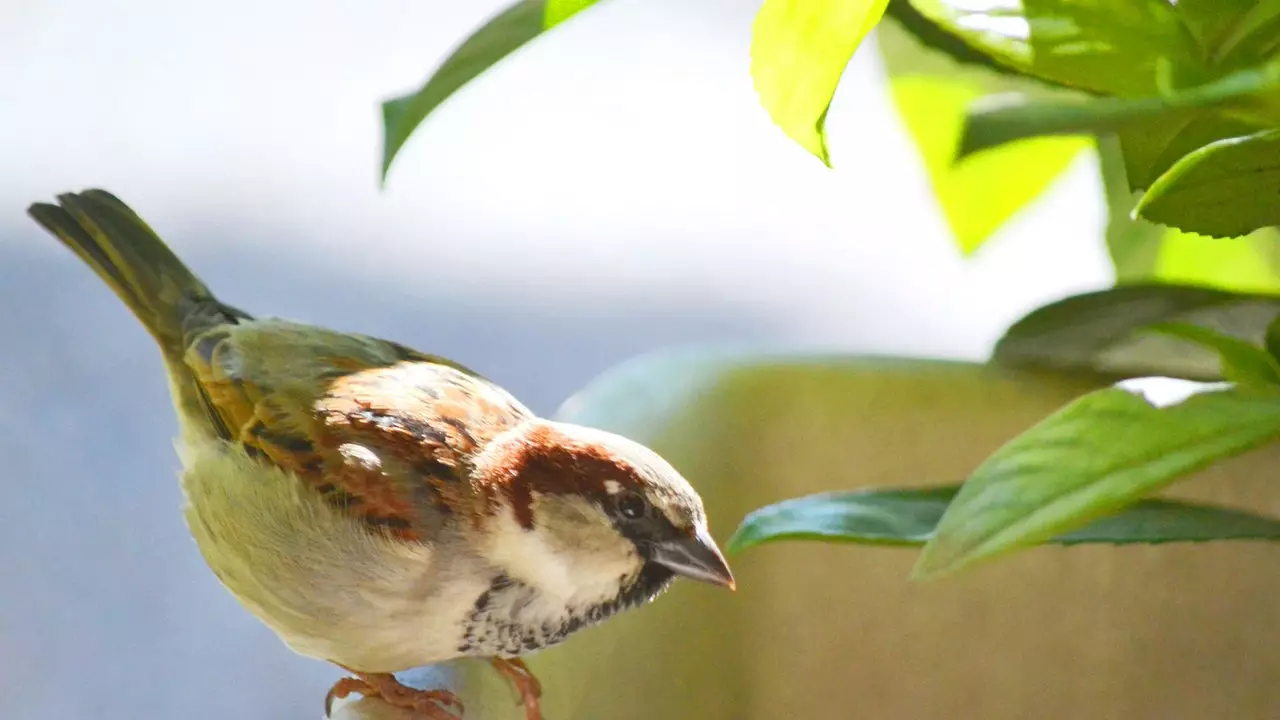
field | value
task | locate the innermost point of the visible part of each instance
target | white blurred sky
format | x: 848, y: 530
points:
x: 624, y: 155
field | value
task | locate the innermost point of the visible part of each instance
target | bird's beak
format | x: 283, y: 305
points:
x: 695, y: 557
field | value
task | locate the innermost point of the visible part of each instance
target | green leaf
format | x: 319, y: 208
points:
x: 1242, y: 362
x: 799, y: 50
x: 1163, y: 521
x: 1002, y: 120
x: 1099, y: 46
x: 927, y: 33
x: 1096, y: 331
x: 1098, y: 454
x: 908, y: 517
x: 1152, y: 145
x: 1244, y: 30
x: 874, y: 517
x: 931, y: 92
x: 1143, y: 251
x: 1144, y: 141
x: 1214, y: 22
x: 496, y: 39
x: 1224, y: 189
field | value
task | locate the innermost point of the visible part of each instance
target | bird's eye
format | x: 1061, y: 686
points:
x: 632, y: 506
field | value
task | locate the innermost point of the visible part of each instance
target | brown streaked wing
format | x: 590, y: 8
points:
x: 361, y: 420
x: 425, y: 422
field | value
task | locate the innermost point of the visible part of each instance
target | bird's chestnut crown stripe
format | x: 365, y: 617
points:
x: 552, y: 463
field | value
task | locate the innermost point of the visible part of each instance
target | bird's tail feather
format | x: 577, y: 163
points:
x: 170, y: 301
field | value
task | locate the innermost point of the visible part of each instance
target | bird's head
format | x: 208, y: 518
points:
x: 591, y: 517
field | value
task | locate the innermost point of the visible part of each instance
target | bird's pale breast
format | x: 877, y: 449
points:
x: 329, y: 587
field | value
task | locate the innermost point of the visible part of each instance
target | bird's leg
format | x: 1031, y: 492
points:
x: 526, y: 684
x: 343, y: 688
x: 430, y: 704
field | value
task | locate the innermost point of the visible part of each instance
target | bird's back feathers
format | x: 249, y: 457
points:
x: 338, y: 410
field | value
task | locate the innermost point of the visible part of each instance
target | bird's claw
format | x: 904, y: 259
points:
x: 429, y: 704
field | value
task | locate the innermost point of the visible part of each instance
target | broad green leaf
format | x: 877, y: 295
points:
x: 1224, y: 189
x: 799, y: 49
x: 1144, y: 141
x: 1163, y: 521
x: 496, y: 39
x: 1144, y: 252
x: 927, y: 33
x: 931, y: 92
x: 1242, y: 37
x: 1098, y: 454
x: 1214, y: 22
x: 1100, y: 46
x: 1002, y: 120
x: 1152, y: 145
x: 1242, y: 362
x: 1097, y: 331
x: 911, y: 44
x: 909, y: 516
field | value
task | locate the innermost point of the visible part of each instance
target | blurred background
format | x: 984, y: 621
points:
x: 601, y: 195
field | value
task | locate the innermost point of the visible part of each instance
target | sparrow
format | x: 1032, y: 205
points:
x: 380, y: 508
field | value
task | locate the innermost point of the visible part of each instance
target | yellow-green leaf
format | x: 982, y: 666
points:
x: 1102, y: 46
x: 979, y: 194
x: 799, y: 49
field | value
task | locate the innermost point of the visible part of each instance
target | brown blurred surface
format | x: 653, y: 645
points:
x: 829, y: 631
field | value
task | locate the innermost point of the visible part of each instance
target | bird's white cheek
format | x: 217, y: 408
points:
x: 527, y: 556
x: 577, y: 563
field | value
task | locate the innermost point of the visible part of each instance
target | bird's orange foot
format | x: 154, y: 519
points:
x: 429, y: 704
x: 526, y: 684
